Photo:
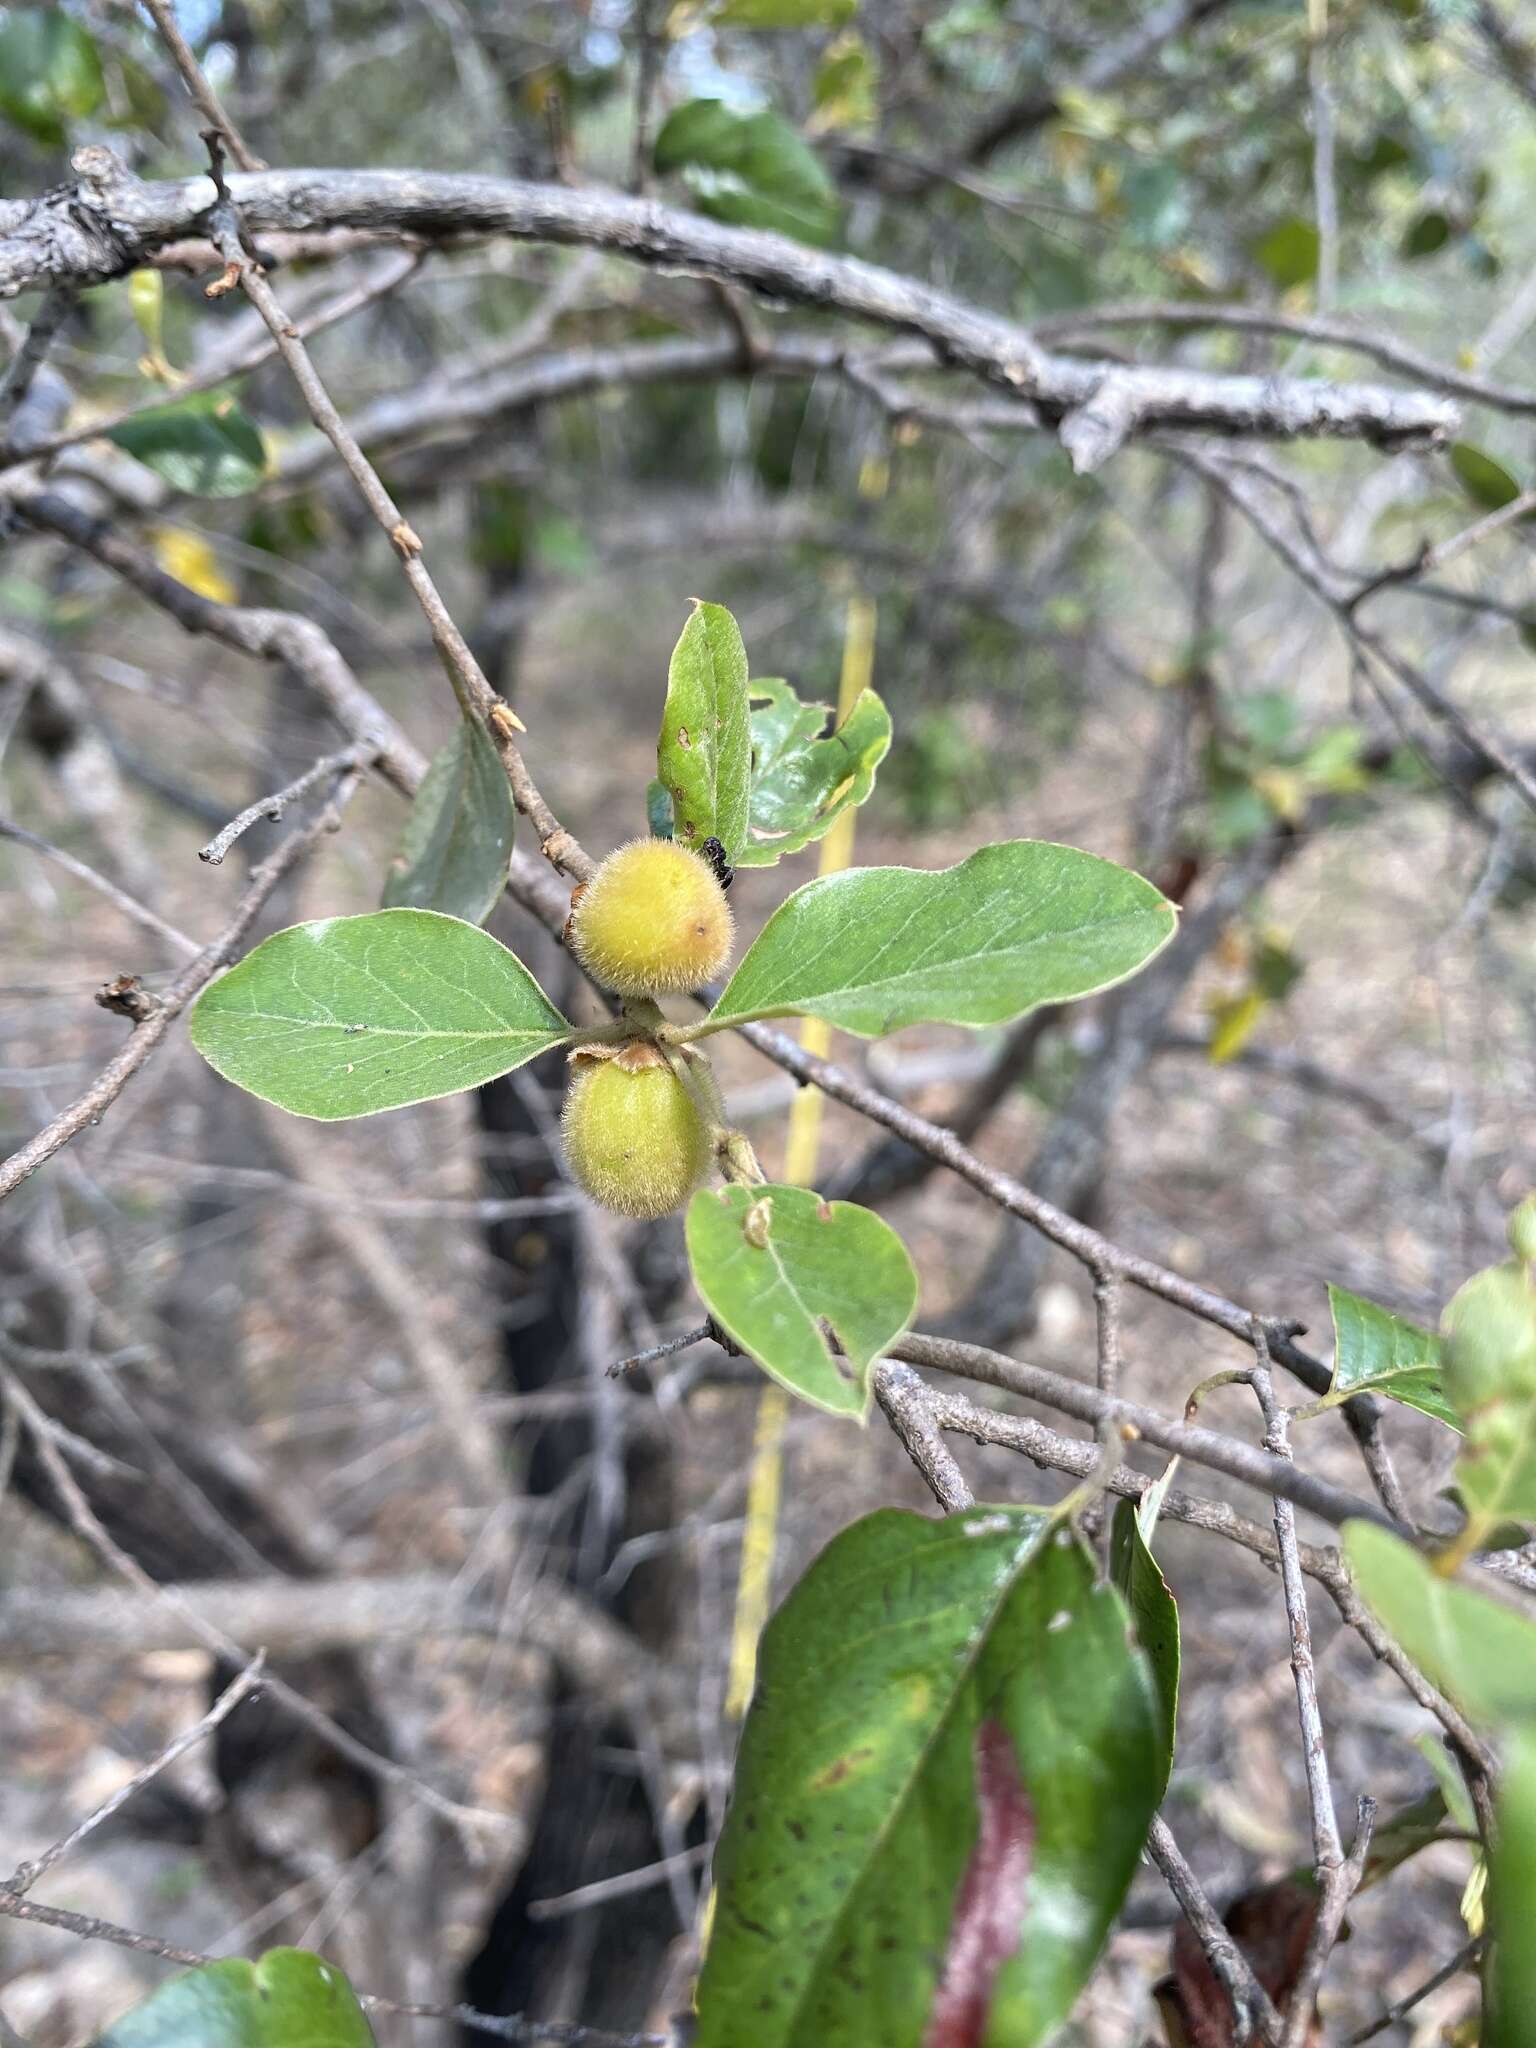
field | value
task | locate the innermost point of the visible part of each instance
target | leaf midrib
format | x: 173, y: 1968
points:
x: 392, y: 1030
x: 920, y: 1761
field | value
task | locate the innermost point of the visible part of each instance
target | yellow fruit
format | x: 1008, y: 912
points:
x: 652, y: 921
x: 634, y: 1138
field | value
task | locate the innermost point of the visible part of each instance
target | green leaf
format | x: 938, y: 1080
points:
x: 843, y: 90
x: 704, y: 749
x: 1289, y: 252
x: 146, y: 302
x: 1490, y: 1375
x: 1511, y: 1892
x: 927, y: 1688
x: 50, y: 72
x: 1424, y: 235
x: 773, y: 1263
x: 1134, y: 1572
x: 1014, y: 926
x: 749, y: 169
x: 800, y: 781
x: 1479, y: 1653
x: 289, y: 1999
x: 355, y: 1014
x: 783, y: 13
x: 205, y: 445
x: 458, y: 839
x: 1376, y: 1352
x: 1487, y: 483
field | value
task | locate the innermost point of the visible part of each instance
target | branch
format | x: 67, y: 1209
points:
x: 952, y: 1411
x: 1191, y: 316
x: 154, y: 1015
x: 109, y: 221
x: 245, y: 1683
x: 1264, y: 1470
x: 510, y: 2027
x: 202, y: 94
x: 272, y: 807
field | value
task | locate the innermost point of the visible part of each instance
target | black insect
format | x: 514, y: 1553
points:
x: 714, y: 853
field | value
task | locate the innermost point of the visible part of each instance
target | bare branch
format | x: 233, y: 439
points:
x: 157, y: 1014
x: 108, y: 221
x: 129, y: 905
x: 204, y: 98
x: 1267, y: 1471
x: 1252, y: 2006
x: 238, y: 1689
x: 272, y: 807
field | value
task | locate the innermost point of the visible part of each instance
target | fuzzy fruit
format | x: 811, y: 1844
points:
x: 634, y: 1137
x: 652, y: 921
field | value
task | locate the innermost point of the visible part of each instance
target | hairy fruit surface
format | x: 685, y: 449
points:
x: 634, y: 1137
x: 652, y: 921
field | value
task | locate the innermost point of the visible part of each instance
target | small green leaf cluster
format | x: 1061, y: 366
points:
x: 352, y: 1015
x: 1260, y: 768
x: 1479, y: 1375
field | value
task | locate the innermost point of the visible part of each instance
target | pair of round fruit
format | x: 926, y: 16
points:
x: 653, y: 921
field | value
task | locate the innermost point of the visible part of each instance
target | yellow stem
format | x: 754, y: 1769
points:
x: 754, y: 1585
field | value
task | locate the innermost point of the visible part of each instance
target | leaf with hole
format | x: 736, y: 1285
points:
x: 944, y: 1784
x: 777, y: 1266
x: 704, y: 749
x: 205, y: 445
x: 289, y: 1999
x: 1016, y: 925
x: 351, y: 1015
x: 752, y: 170
x: 50, y: 72
x: 458, y: 839
x: 1376, y: 1352
x: 1478, y: 1652
x: 801, y: 781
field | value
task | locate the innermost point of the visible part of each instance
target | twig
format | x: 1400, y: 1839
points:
x: 166, y: 1007
x: 1338, y: 1876
x: 1325, y: 193
x: 1463, y: 1959
x: 1106, y: 1303
x: 472, y: 1823
x: 1261, y: 1469
x: 28, y: 359
x: 272, y: 807
x: 903, y: 1399
x: 203, y: 96
x: 504, y: 2026
x: 225, y: 367
x: 129, y: 905
x: 622, y: 1886
x: 248, y: 1680
x: 1252, y: 2007
x: 436, y: 1363
x: 1491, y: 746
x: 1193, y: 315
x: 476, y: 697
x: 663, y: 1350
